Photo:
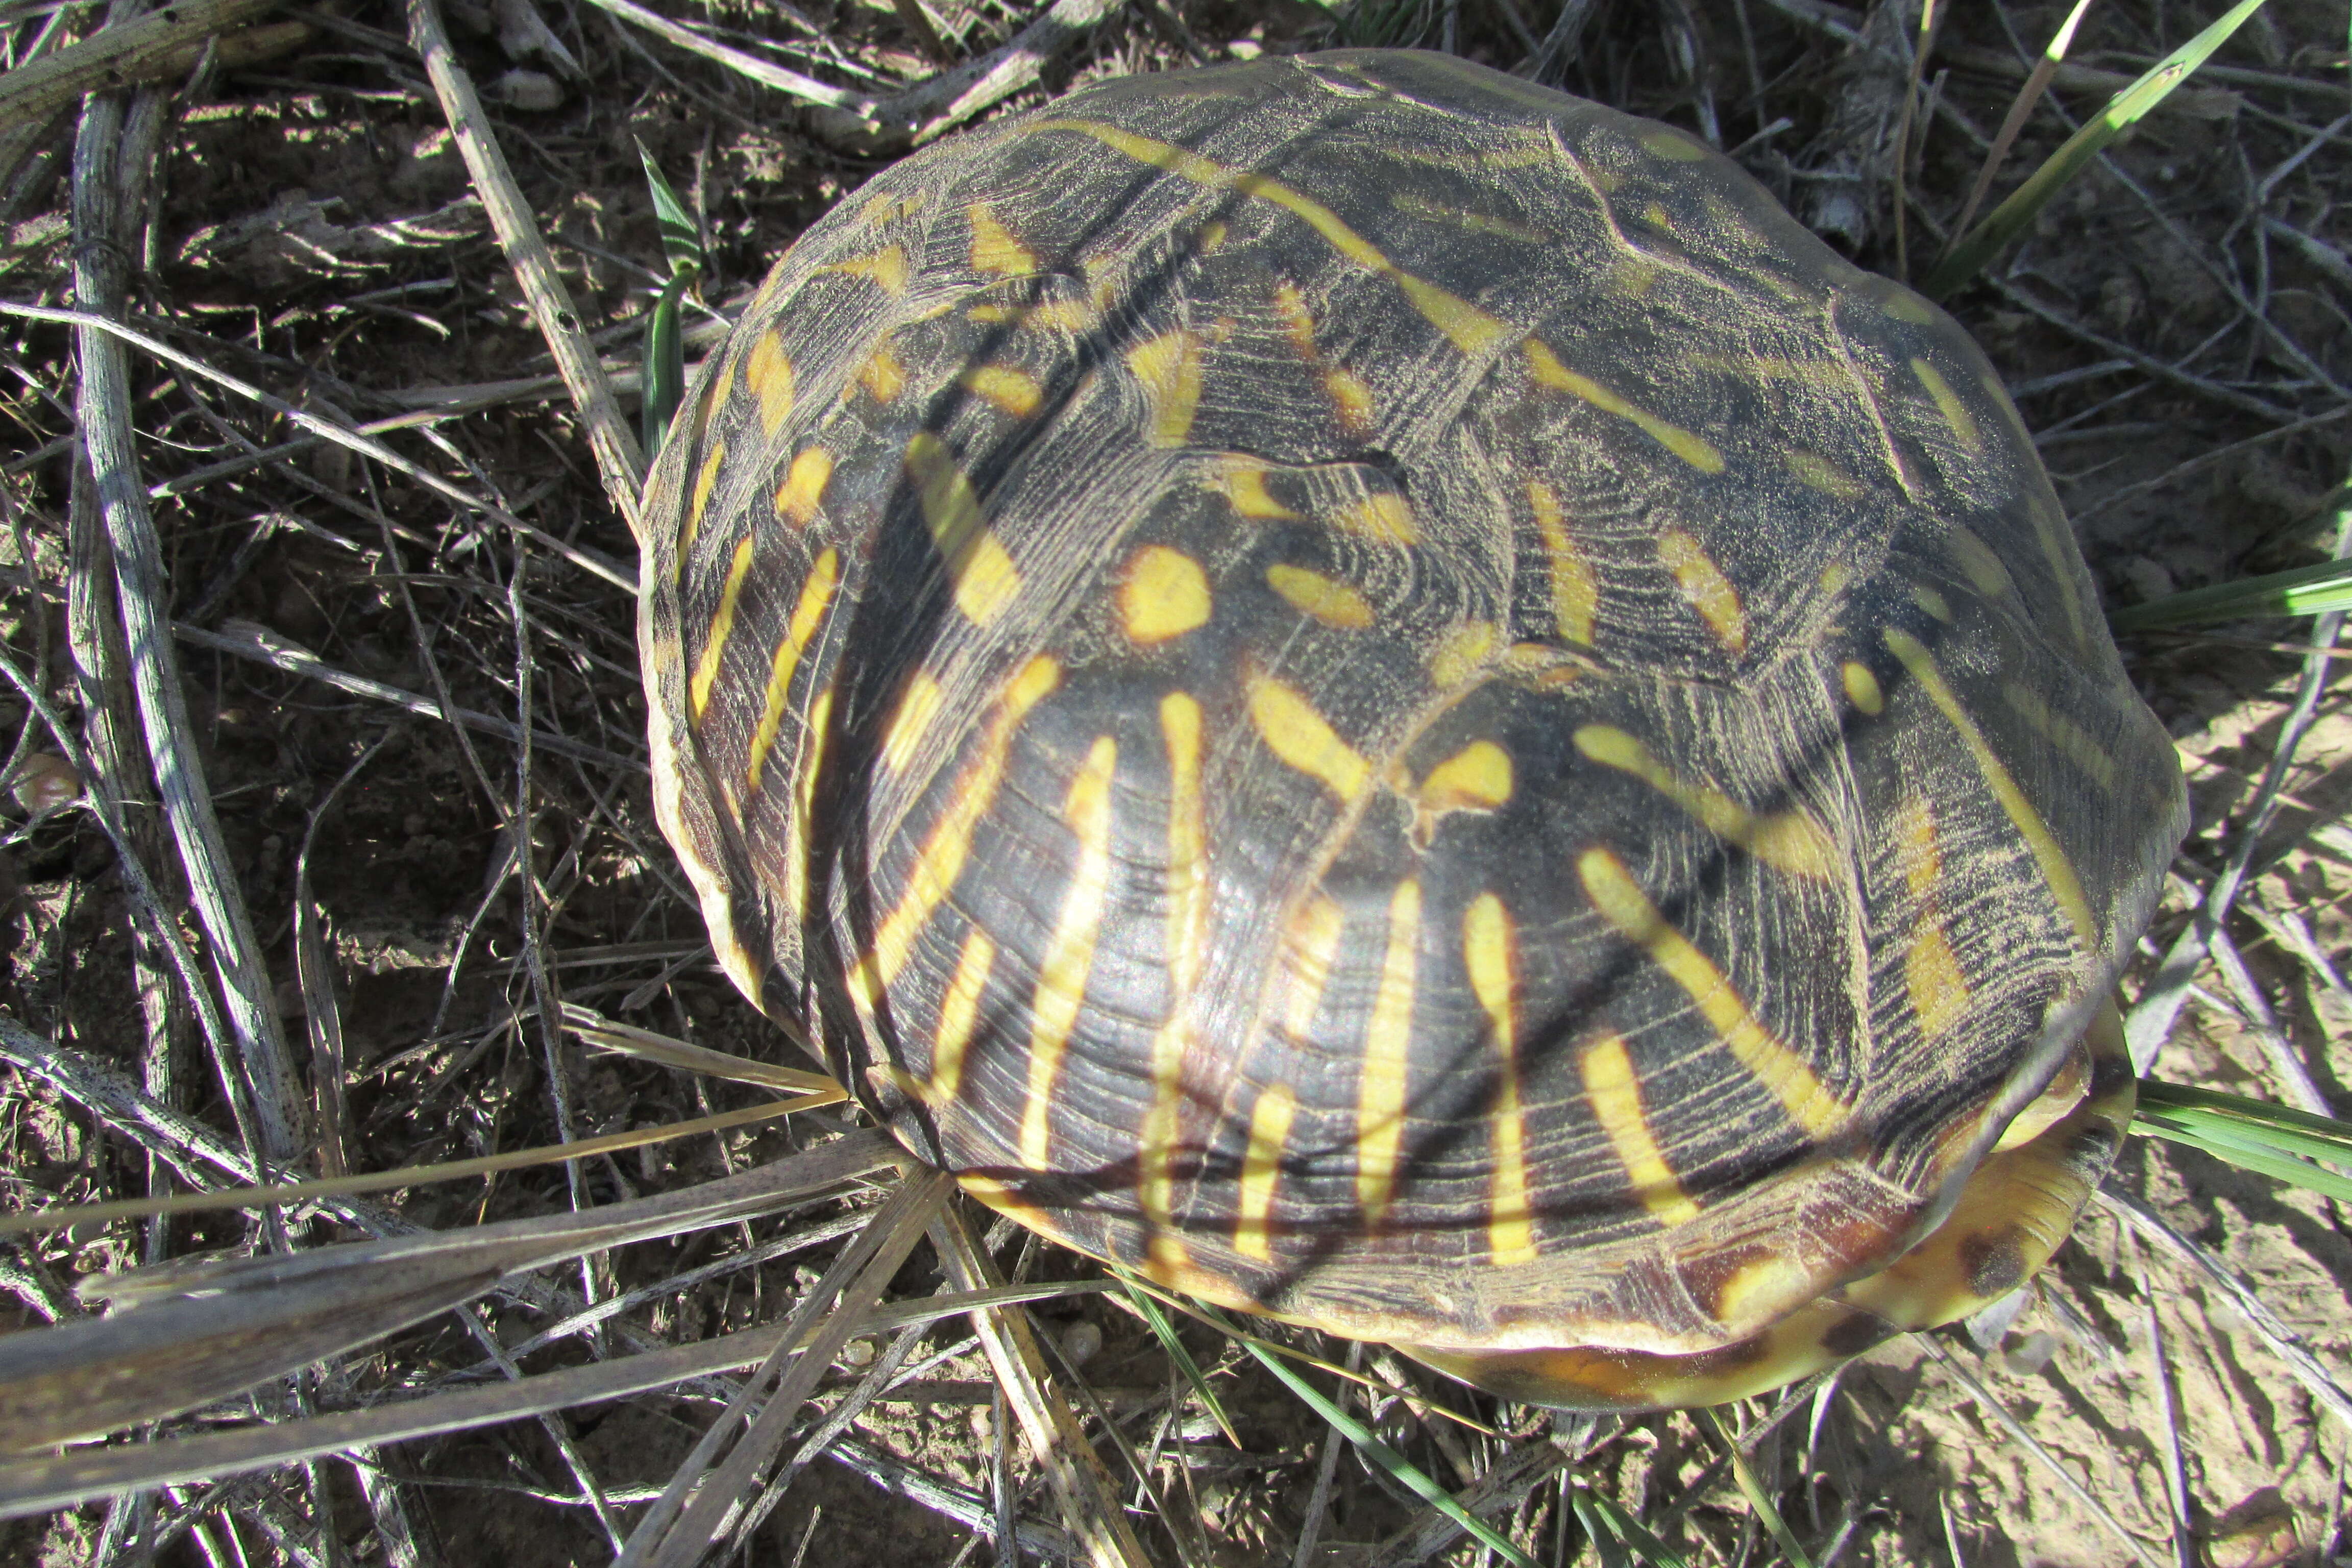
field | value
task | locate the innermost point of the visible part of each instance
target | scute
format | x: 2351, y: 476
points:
x: 1424, y: 715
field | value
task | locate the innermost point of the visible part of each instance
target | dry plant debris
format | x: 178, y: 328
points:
x: 326, y: 760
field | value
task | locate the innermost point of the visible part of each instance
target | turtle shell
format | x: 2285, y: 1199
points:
x: 1389, y: 696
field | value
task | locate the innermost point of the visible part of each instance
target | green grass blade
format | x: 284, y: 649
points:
x: 1614, y: 1531
x: 1753, y: 1489
x: 1401, y: 1469
x: 2253, y: 1134
x: 681, y: 236
x: 2013, y: 217
x: 1169, y: 1342
x: 664, y: 364
x: 2304, y: 591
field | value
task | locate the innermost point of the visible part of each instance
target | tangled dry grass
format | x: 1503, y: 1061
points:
x: 366, y: 728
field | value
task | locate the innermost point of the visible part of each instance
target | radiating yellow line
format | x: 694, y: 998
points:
x: 1948, y: 403
x: 722, y: 625
x: 768, y: 376
x: 802, y: 490
x: 1701, y: 583
x: 940, y: 860
x: 2056, y: 869
x: 1787, y: 841
x: 984, y: 576
x: 959, y: 1015
x: 1623, y: 905
x: 1487, y: 949
x: 1011, y: 389
x: 994, y: 248
x: 817, y: 593
x: 1328, y: 600
x: 1310, y: 940
x: 1692, y: 449
x: 1062, y: 975
x: 1615, y: 1092
x: 909, y: 722
x: 798, y: 832
x: 1575, y: 591
x: 705, y: 479
x: 1167, y: 367
x: 1188, y: 912
x: 1471, y: 330
x: 1269, y: 1134
x: 1388, y: 1048
x: 1292, y: 731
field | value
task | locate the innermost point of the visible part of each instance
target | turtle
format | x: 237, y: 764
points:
x: 1387, y: 698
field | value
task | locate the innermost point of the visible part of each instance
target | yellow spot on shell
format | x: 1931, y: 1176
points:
x: 808, y: 614
x: 1388, y: 1039
x: 1787, y: 841
x: 722, y: 625
x: 803, y: 492
x: 1702, y: 581
x: 1463, y: 653
x: 1932, y: 602
x: 1550, y: 372
x: 1656, y: 215
x: 1351, y: 400
x: 959, y: 1013
x: 1762, y: 1288
x: 1917, y: 849
x: 1818, y: 473
x: 1269, y: 1133
x: 1013, y: 389
x: 1631, y: 276
x: 913, y: 716
x: 1782, y: 1072
x: 1070, y: 951
x: 1862, y: 686
x: 1905, y: 306
x: 1475, y: 778
x: 1673, y: 145
x: 1614, y: 1091
x: 985, y: 578
x: 1294, y: 731
x: 1575, y: 591
x: 1385, y: 518
x: 940, y: 860
x: 881, y: 374
x: 1310, y: 942
x: 1211, y: 239
x: 994, y: 248
x: 1242, y: 484
x: 1162, y: 594
x: 1168, y: 369
x: 1978, y: 562
x: 1947, y: 404
x: 885, y: 269
x: 768, y: 377
x: 1835, y: 579
x: 2057, y: 871
x: 1931, y: 973
x: 1489, y: 955
x: 1297, y: 325
x: 1326, y: 599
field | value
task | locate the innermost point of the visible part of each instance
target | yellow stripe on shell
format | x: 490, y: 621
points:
x: 797, y: 825
x: 808, y: 614
x: 940, y: 860
x: 1242, y: 484
x: 1385, y: 518
x: 1167, y: 368
x: 1932, y: 974
x: 1069, y: 954
x: 1470, y: 329
x: 1786, y: 841
x: 1326, y: 599
x: 885, y: 269
x: 1310, y: 942
x: 993, y: 248
x: 909, y: 719
x: 1977, y: 561
x: 803, y: 492
x: 1269, y: 1134
x: 1614, y: 1091
x: 2057, y: 871
x: 2073, y: 741
x: 881, y: 374
x: 958, y: 1016
x: 984, y: 576
x: 722, y: 626
x: 1548, y: 371
x: 705, y: 479
x: 1188, y: 913
x: 1303, y: 739
x: 1475, y: 778
x: 768, y: 377
x: 1462, y: 653
x: 1703, y: 583
x: 1489, y: 953
x: 1956, y: 414
x: 1575, y: 591
x: 1011, y: 389
x: 1388, y: 1051
x: 1783, y: 1073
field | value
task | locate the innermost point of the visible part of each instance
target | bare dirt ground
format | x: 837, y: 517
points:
x: 2176, y: 333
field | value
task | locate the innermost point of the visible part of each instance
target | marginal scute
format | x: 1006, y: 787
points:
x: 1315, y: 670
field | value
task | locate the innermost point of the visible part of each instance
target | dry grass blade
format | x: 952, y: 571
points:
x: 624, y: 1040
x: 791, y: 83
x: 146, y: 49
x: 924, y: 112
x: 2028, y: 96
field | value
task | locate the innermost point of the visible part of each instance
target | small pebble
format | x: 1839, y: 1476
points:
x: 1080, y: 1341
x: 858, y: 1353
x: 2032, y: 1353
x: 43, y: 783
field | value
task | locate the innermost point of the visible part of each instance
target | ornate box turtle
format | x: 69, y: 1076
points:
x: 1388, y: 697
